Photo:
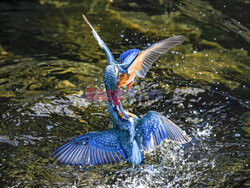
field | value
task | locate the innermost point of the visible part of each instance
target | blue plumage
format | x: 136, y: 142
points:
x: 121, y: 142
x: 92, y: 148
x: 134, y: 61
x: 153, y: 128
x: 130, y: 135
x: 129, y: 55
x: 126, y: 141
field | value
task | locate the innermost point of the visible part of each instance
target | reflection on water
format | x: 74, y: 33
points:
x: 49, y: 59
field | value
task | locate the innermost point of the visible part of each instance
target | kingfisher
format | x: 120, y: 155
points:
x: 134, y: 62
x: 127, y: 140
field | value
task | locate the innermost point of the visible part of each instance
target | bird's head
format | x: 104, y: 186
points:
x: 111, y: 75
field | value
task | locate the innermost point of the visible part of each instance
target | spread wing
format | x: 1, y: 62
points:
x: 105, y: 48
x: 128, y: 56
x: 153, y: 128
x: 147, y: 57
x: 91, y: 149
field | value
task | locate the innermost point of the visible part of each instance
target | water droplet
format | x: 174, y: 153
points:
x: 237, y: 135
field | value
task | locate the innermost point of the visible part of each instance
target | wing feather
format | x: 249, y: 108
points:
x: 92, y: 156
x: 84, y: 159
x: 78, y: 157
x: 98, y: 157
x: 102, y: 44
x: 105, y: 157
x: 117, y: 156
x: 102, y: 157
x: 67, y: 153
x: 70, y: 153
x: 128, y: 56
x: 150, y: 55
x: 91, y: 149
x: 61, y: 150
x: 153, y: 128
x: 108, y: 158
x: 73, y: 156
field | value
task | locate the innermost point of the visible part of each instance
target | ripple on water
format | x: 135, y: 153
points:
x: 49, y: 61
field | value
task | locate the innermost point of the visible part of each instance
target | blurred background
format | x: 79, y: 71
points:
x: 49, y: 59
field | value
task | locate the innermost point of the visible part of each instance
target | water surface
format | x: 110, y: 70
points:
x: 49, y: 59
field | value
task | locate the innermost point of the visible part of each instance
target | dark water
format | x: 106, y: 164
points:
x: 49, y: 59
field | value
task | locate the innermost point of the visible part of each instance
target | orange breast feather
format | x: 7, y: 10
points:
x: 125, y: 79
